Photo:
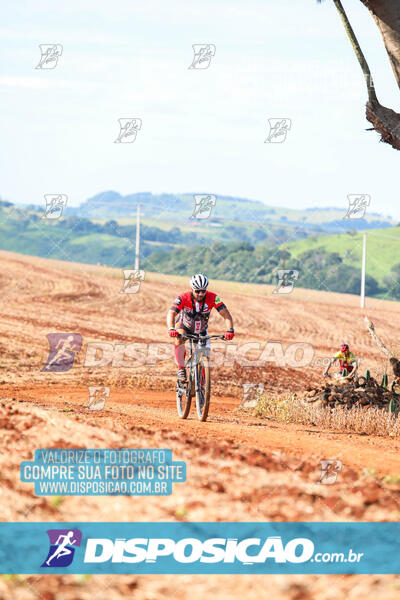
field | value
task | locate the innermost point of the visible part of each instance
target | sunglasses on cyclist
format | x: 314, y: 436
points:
x: 199, y: 291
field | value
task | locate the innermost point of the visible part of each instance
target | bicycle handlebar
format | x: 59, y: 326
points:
x: 198, y: 337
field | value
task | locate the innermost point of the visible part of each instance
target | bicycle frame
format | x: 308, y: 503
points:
x: 197, y: 345
x: 196, y: 348
x: 195, y: 385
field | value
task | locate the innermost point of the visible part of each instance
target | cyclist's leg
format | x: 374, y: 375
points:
x: 179, y: 345
x: 180, y: 351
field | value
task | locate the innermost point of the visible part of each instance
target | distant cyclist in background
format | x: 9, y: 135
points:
x: 346, y: 359
x: 190, y: 312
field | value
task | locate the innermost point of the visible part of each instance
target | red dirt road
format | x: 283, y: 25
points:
x: 226, y: 422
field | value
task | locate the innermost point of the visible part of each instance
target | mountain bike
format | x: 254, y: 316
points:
x: 198, y: 378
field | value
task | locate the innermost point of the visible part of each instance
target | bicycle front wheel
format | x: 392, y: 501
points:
x: 184, y: 397
x: 203, y: 387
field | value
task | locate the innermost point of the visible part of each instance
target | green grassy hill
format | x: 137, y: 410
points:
x: 81, y: 239
x: 383, y: 249
x: 329, y: 262
x: 247, y: 251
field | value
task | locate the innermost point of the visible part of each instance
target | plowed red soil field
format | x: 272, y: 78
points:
x: 240, y: 467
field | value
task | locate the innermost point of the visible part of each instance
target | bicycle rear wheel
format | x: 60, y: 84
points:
x: 184, y: 397
x: 204, y: 387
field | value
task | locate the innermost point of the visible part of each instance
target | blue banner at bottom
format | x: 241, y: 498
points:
x: 206, y: 548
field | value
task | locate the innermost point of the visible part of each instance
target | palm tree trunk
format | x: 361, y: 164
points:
x: 386, y: 14
x: 384, y: 120
x: 358, y: 52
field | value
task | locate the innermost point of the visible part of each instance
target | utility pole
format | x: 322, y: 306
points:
x: 284, y: 251
x: 137, y: 238
x: 364, y: 256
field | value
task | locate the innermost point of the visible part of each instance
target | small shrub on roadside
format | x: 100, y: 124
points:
x: 370, y: 421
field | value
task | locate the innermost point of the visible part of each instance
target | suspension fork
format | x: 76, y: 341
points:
x: 199, y: 352
x: 193, y: 357
x: 194, y: 352
x: 194, y: 363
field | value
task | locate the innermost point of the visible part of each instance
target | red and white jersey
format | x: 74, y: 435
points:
x: 193, y: 314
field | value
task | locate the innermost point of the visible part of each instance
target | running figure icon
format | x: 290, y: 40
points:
x: 63, y: 543
x: 62, y: 549
x: 63, y: 347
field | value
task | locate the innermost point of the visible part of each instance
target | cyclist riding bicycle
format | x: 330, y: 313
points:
x: 346, y: 359
x: 190, y: 312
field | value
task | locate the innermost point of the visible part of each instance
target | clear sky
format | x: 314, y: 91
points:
x: 202, y: 130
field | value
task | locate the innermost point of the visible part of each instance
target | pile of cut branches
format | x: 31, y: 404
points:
x: 360, y: 391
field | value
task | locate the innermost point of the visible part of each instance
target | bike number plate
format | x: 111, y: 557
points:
x: 197, y: 326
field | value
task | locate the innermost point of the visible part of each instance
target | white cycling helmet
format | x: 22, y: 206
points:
x: 199, y: 282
